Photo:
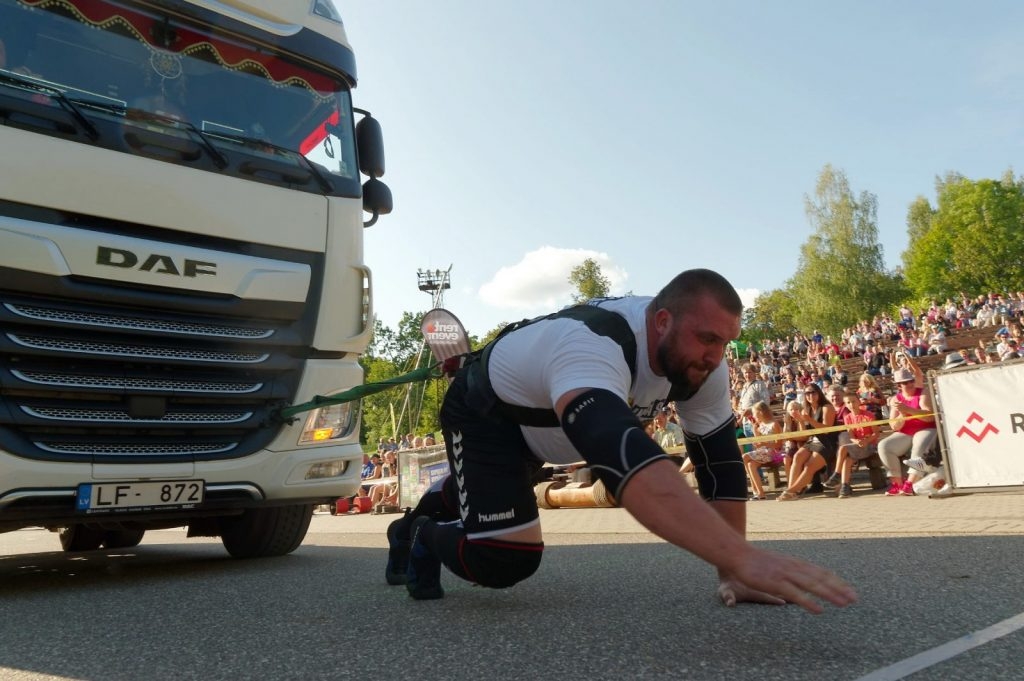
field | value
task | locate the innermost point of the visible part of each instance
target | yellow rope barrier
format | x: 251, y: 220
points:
x: 775, y: 437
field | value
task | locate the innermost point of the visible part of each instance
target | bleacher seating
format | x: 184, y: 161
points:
x: 958, y: 340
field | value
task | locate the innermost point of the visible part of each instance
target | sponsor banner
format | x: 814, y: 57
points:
x: 445, y: 334
x: 418, y: 469
x: 981, y: 412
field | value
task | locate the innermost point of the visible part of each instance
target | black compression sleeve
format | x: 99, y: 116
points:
x: 718, y: 464
x: 610, y: 437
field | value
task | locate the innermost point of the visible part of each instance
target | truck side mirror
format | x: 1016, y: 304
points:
x: 376, y: 199
x: 370, y: 146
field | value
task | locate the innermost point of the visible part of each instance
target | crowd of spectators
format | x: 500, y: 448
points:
x: 805, y: 377
x: 379, y: 475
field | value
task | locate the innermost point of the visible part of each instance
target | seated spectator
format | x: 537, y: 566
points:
x: 428, y: 440
x: 371, y: 471
x: 954, y: 360
x: 788, y: 386
x: 385, y: 494
x: 753, y: 390
x: 813, y: 456
x: 835, y: 394
x: 764, y: 453
x: 791, y: 424
x: 1012, y: 350
x: 838, y: 375
x: 869, y: 394
x: 937, y: 340
x: 913, y: 427
x: 666, y: 433
x: 861, y: 444
x: 874, y: 360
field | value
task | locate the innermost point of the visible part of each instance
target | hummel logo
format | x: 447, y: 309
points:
x: 460, y: 480
x: 977, y: 437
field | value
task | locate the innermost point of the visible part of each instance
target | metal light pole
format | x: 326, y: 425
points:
x: 434, y: 282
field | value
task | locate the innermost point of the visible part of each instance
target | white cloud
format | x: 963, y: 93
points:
x: 748, y: 296
x: 540, y: 281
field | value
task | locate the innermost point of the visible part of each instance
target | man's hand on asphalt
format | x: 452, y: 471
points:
x: 766, y: 577
x: 733, y: 591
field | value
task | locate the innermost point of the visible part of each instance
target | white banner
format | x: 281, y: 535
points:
x: 981, y: 411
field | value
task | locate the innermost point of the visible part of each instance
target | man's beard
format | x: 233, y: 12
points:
x: 676, y: 374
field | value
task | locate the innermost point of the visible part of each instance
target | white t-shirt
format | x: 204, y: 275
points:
x: 535, y: 365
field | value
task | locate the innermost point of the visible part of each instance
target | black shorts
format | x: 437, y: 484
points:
x: 490, y: 464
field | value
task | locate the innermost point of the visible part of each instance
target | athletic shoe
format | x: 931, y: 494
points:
x: 424, y: 572
x: 832, y: 482
x: 918, y: 465
x: 398, y: 552
x: 845, y: 491
x: 908, y: 489
x: 894, y: 489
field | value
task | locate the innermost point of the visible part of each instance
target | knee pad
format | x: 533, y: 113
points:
x: 498, y: 564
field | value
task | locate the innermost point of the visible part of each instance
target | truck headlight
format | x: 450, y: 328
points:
x: 329, y: 423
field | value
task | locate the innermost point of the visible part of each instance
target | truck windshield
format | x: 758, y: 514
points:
x: 130, y: 60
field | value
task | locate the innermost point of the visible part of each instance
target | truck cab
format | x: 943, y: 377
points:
x: 181, y: 256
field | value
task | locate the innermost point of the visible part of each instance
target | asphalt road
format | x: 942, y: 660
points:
x: 619, y: 606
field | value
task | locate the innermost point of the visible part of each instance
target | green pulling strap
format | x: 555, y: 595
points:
x: 423, y: 374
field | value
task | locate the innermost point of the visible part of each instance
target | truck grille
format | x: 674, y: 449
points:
x: 115, y: 382
x: 129, y: 383
x: 128, y: 350
x: 121, y: 322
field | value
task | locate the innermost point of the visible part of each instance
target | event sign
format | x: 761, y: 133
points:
x: 981, y: 413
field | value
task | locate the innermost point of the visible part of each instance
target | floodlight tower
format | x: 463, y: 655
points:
x: 435, y: 282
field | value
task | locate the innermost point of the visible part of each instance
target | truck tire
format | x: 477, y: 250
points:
x: 122, y: 539
x: 265, y: 532
x: 80, y: 538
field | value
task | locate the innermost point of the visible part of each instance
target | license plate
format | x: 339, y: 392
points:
x: 135, y: 496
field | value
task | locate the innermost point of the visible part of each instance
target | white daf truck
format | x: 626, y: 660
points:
x: 181, y: 256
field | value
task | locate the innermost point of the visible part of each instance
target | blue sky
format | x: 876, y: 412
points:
x: 658, y: 136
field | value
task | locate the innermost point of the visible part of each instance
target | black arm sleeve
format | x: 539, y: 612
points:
x: 717, y: 463
x: 610, y: 437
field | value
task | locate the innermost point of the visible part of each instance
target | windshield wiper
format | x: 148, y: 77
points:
x: 259, y: 143
x: 170, y: 122
x: 55, y: 93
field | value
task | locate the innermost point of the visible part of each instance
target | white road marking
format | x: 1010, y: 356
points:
x: 946, y: 651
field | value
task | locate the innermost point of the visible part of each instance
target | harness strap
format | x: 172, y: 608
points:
x: 601, y: 321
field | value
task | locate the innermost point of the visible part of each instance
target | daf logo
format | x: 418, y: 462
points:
x: 154, y: 262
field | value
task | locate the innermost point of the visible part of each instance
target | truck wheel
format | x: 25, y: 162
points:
x: 122, y: 539
x: 80, y: 538
x: 265, y: 532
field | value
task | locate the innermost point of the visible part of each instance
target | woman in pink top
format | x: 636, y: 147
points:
x: 912, y: 423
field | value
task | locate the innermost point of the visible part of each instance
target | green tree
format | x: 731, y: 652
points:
x: 919, y: 221
x: 771, y: 316
x: 414, y: 406
x: 489, y: 336
x: 975, y: 241
x: 588, y: 281
x: 841, y: 276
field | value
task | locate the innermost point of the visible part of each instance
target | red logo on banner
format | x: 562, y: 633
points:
x: 444, y: 334
x: 977, y: 437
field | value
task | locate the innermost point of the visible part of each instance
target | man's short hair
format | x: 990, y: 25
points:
x: 680, y: 293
